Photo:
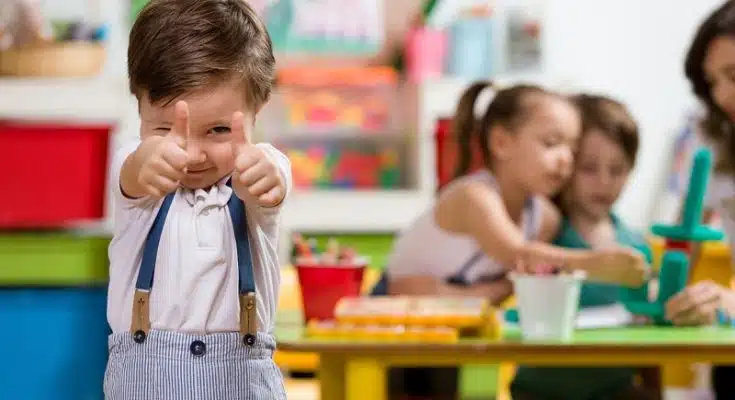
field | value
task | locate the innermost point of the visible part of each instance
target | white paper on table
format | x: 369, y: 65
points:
x: 604, y: 317
x: 611, y: 316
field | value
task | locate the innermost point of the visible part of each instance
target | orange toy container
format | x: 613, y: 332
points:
x: 457, y: 313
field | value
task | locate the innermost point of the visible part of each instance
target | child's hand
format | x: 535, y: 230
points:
x: 162, y: 171
x: 698, y: 304
x: 621, y: 266
x: 525, y: 266
x: 255, y: 173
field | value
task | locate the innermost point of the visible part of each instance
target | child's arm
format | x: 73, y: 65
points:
x: 283, y: 168
x: 478, y: 211
x: 262, y: 174
x: 159, y: 163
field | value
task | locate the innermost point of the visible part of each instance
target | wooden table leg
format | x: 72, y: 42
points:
x: 366, y: 379
x: 331, y: 377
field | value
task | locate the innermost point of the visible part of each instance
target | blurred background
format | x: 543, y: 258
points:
x: 364, y: 95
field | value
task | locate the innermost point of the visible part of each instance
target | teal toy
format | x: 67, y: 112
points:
x: 673, y: 278
x: 691, y: 229
x: 674, y: 272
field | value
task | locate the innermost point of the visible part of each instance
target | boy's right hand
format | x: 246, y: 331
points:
x: 165, y: 165
x: 621, y: 266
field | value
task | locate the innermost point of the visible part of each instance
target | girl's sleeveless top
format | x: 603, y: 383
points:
x: 426, y: 249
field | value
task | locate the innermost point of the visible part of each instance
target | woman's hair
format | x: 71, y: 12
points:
x: 610, y: 118
x: 716, y: 125
x: 507, y: 109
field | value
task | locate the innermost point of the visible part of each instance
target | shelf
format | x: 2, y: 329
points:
x: 79, y: 99
x: 104, y: 99
x: 353, y: 210
x: 337, y: 136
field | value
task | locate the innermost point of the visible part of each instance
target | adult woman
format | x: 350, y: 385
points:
x: 710, y: 68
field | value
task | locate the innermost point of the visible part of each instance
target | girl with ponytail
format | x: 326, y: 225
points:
x: 498, y: 218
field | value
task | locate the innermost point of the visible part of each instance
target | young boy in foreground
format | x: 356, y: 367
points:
x: 198, y: 202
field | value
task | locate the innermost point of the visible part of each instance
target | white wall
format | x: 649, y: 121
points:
x: 634, y: 50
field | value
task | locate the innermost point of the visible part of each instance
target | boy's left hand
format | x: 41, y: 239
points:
x: 255, y: 173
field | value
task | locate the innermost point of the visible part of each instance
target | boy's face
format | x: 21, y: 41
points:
x: 209, y: 142
x: 600, y: 175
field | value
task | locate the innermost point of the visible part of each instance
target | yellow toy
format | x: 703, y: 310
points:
x: 422, y: 319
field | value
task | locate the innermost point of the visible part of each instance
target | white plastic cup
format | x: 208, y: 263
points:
x: 547, y: 304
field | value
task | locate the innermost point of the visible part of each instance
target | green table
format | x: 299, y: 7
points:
x: 355, y: 370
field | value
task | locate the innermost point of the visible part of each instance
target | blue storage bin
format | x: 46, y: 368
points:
x: 471, y: 48
x: 54, y: 343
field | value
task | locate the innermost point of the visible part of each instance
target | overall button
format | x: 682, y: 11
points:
x: 198, y: 348
x: 139, y: 336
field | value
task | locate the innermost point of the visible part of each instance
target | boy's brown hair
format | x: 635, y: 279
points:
x: 177, y: 46
x: 610, y: 118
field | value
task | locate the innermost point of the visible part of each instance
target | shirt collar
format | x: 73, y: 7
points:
x: 217, y: 194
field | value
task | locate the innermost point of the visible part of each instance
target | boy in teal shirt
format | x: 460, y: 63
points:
x: 606, y: 156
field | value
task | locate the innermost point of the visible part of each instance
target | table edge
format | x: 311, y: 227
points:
x: 498, y: 347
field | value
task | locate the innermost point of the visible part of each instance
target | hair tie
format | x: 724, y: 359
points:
x: 483, y: 100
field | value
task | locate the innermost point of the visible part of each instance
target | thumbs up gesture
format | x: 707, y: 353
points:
x: 165, y: 167
x: 255, y: 177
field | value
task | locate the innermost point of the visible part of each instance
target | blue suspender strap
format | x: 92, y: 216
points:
x: 150, y: 249
x: 140, y: 325
x: 141, y: 322
x: 244, y: 258
x: 248, y: 314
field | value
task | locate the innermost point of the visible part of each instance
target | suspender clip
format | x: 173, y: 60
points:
x: 141, y: 323
x: 248, y: 318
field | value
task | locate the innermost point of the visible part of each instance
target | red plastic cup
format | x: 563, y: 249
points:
x: 322, y: 286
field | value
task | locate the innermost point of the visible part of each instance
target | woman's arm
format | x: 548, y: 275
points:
x: 478, y: 211
x: 700, y: 303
